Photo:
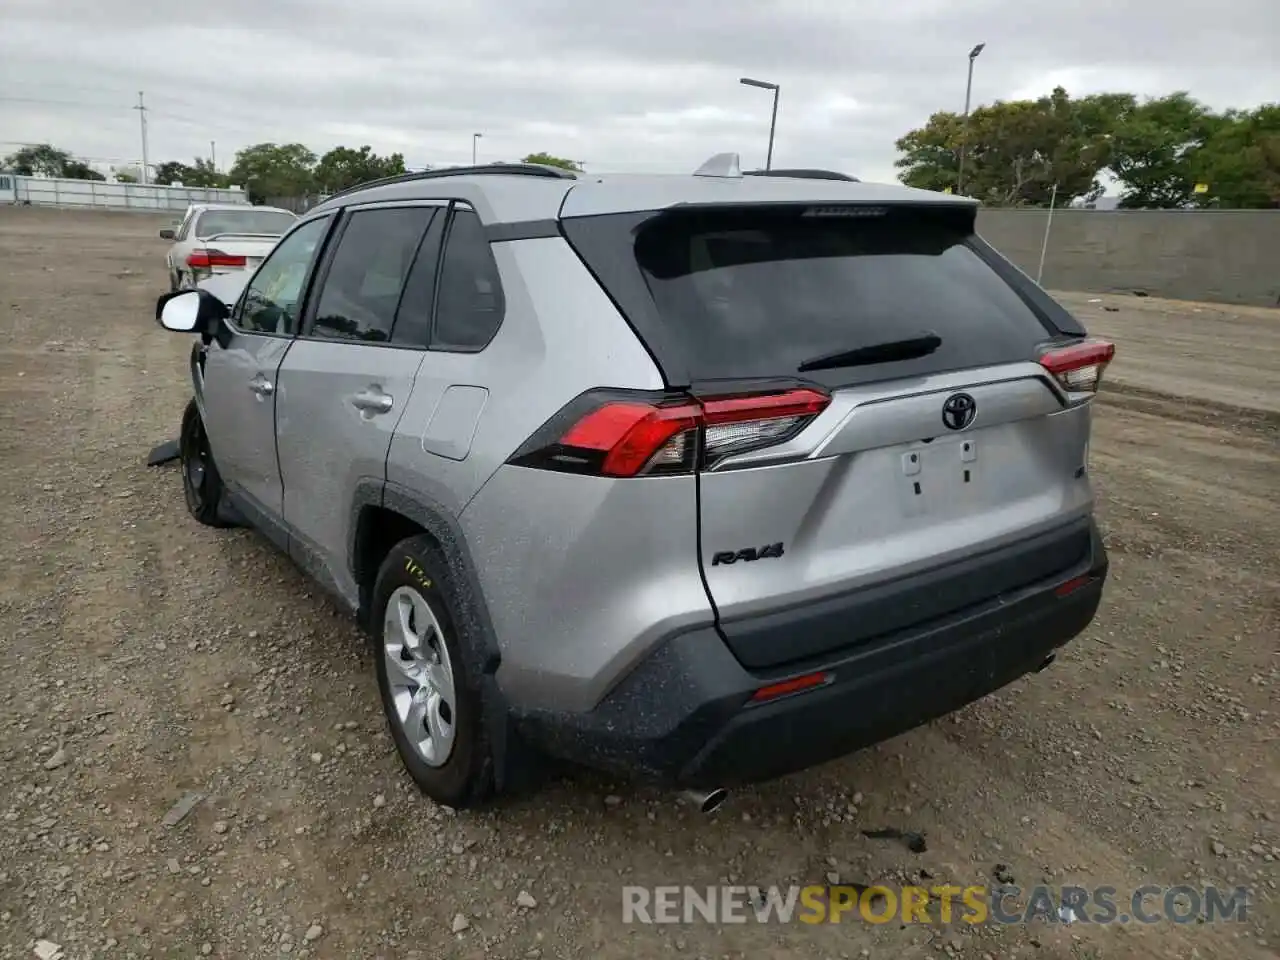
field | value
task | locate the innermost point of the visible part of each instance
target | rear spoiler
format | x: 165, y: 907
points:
x: 243, y: 236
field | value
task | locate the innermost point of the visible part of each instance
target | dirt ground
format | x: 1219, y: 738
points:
x: 1226, y: 355
x: 145, y: 658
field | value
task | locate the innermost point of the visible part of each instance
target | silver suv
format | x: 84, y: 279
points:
x: 703, y: 479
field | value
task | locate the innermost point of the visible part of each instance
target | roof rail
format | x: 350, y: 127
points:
x: 804, y: 174
x: 491, y: 169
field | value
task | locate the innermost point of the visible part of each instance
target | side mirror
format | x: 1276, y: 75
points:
x: 168, y: 234
x: 191, y: 311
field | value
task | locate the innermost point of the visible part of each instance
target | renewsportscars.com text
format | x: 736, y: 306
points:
x: 943, y: 903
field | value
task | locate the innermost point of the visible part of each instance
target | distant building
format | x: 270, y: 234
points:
x: 1103, y: 202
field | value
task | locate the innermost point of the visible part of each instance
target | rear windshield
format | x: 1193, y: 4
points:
x: 271, y: 223
x: 748, y: 293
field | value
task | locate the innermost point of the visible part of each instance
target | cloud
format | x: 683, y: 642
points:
x: 622, y: 86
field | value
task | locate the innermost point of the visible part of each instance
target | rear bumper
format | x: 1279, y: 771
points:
x: 684, y: 716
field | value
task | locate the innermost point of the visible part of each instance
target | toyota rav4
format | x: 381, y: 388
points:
x: 703, y: 479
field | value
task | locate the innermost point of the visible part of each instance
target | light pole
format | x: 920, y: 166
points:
x: 773, y: 121
x: 964, y: 131
x: 475, y: 138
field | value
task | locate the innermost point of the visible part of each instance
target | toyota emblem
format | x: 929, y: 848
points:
x: 958, y: 411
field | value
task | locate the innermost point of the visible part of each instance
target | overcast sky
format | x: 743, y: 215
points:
x: 621, y: 85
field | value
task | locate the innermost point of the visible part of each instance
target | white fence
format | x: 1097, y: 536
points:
x: 51, y: 192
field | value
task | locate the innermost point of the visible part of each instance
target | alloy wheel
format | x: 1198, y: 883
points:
x: 420, y: 675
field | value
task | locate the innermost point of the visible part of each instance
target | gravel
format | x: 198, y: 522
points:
x: 224, y: 784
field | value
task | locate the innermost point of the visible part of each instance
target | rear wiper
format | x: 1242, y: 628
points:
x: 910, y: 348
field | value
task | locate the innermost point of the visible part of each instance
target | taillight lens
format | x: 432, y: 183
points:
x: 628, y: 435
x: 1078, y: 367
x: 737, y: 424
x: 207, y: 259
x: 615, y: 436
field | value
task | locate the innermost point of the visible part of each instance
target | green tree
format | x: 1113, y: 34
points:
x: 41, y: 159
x: 1239, y: 162
x: 1154, y: 151
x: 1017, y: 150
x: 274, y: 170
x: 77, y: 170
x: 199, y: 173
x: 548, y: 160
x: 343, y: 167
x: 202, y: 173
x: 931, y: 154
x: 170, y: 172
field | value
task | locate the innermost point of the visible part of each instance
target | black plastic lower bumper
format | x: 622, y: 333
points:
x: 685, y: 715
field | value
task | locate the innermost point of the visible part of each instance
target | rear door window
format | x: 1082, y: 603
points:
x: 745, y: 293
x: 413, y: 316
x: 367, y: 274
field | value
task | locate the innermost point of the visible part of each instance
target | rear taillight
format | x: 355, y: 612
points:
x: 207, y: 259
x: 626, y: 436
x: 622, y: 436
x: 1078, y: 368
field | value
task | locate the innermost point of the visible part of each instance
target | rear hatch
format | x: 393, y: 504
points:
x: 911, y: 455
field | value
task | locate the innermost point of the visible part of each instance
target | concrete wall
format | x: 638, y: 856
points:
x: 1223, y: 256
x: 54, y: 192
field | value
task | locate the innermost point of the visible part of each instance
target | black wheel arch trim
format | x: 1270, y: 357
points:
x: 368, y: 493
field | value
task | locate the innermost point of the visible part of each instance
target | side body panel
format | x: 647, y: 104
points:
x: 328, y: 445
x: 580, y: 575
x: 469, y: 411
x: 584, y: 577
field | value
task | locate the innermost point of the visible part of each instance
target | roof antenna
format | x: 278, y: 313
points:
x: 721, y: 165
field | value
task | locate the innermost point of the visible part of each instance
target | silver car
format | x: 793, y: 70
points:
x: 701, y: 479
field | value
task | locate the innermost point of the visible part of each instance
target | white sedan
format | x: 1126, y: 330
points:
x: 215, y: 239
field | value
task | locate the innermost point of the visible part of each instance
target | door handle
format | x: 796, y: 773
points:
x: 262, y: 387
x: 373, y: 400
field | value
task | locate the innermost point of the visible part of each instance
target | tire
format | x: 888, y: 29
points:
x: 201, y: 482
x: 432, y: 704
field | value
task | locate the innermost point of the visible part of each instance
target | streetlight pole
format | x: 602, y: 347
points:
x: 475, y: 138
x: 773, y: 121
x: 142, y: 116
x: 964, y: 132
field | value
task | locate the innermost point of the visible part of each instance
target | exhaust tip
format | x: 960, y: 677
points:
x: 709, y: 801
